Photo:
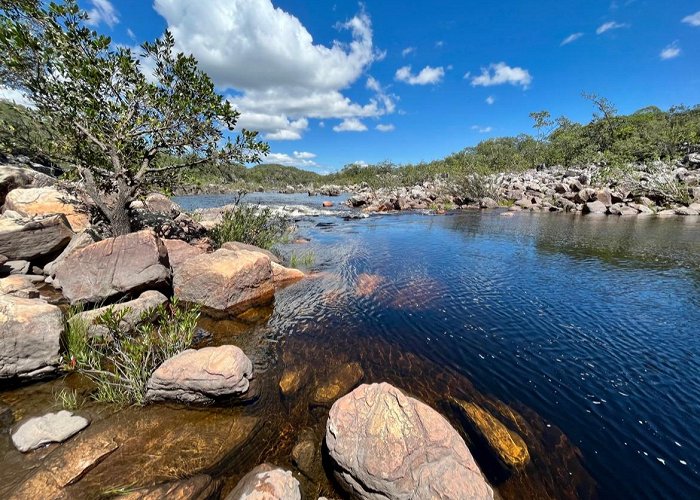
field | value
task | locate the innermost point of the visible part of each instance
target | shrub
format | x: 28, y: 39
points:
x: 68, y: 399
x: 250, y: 224
x: 121, y: 362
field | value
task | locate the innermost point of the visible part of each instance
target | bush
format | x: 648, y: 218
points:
x: 121, y: 363
x: 249, y: 224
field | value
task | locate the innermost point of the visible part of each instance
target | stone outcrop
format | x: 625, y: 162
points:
x: 138, y: 311
x: 266, y: 482
x: 21, y: 285
x: 12, y: 177
x: 179, y: 251
x: 282, y: 275
x: 78, y: 241
x: 30, y: 333
x: 237, y: 245
x: 226, y: 281
x: 341, y: 381
x: 202, y: 375
x: 50, y: 428
x: 385, y: 445
x: 31, y: 202
x: 506, y: 445
x: 32, y: 239
x: 114, y: 267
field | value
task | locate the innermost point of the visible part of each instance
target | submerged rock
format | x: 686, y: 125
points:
x: 340, y: 383
x: 266, y: 482
x: 33, y: 239
x: 305, y: 452
x: 292, y: 380
x: 50, y: 428
x: 386, y: 445
x: 367, y: 284
x: 31, y: 202
x: 199, y: 487
x: 201, y: 376
x: 114, y: 267
x: 225, y: 281
x: 282, y: 275
x: 30, y: 333
x: 507, y: 446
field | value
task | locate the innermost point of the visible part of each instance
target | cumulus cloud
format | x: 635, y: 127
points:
x: 296, y: 159
x: 15, y: 96
x: 692, y: 19
x: 490, y: 100
x: 609, y: 26
x: 385, y: 127
x: 670, y: 51
x: 500, y: 74
x: 427, y: 76
x: 282, y: 77
x: 350, y: 125
x: 482, y: 130
x: 102, y: 11
x: 571, y: 38
x: 407, y: 51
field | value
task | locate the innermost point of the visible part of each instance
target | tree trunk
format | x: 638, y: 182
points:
x: 119, y: 214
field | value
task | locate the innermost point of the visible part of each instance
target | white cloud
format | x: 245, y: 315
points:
x: 571, y: 38
x: 102, y: 11
x: 291, y: 161
x: 350, y: 125
x: 490, y: 100
x: 670, y: 51
x: 610, y: 25
x: 282, y: 77
x: 16, y: 96
x: 482, y: 130
x: 407, y: 51
x: 131, y: 34
x: 427, y: 76
x: 303, y: 155
x: 500, y: 73
x: 692, y: 19
x: 385, y: 127
x: 388, y: 101
x: 360, y: 163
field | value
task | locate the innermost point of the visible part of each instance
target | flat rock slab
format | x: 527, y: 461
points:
x: 31, y: 202
x: 266, y: 482
x: 201, y: 375
x: 12, y: 177
x: 50, y: 428
x: 21, y: 285
x: 30, y: 335
x: 179, y: 251
x: 237, y: 245
x: 35, y: 238
x: 114, y: 267
x: 340, y: 383
x: 386, y: 445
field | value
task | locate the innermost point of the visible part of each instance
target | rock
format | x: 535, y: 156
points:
x: 292, y: 380
x: 51, y: 428
x: 386, y: 445
x: 33, y: 239
x: 507, y: 446
x: 666, y: 213
x: 201, y: 375
x: 524, y: 203
x: 488, y: 203
x: 30, y: 333
x: 65, y: 469
x: 567, y: 205
x: 15, y: 267
x: 114, y: 267
x: 327, y: 204
x: 78, y: 241
x: 236, y: 245
x: 226, y: 281
x: 646, y: 201
x: 605, y: 197
x: 367, y: 284
x: 340, y: 383
x: 266, y: 482
x: 3, y: 259
x: 686, y: 211
x: 561, y: 188
x: 642, y: 209
x: 281, y: 274
x: 694, y: 206
x: 140, y: 310
x: 21, y: 285
x: 585, y: 195
x: 17, y: 177
x: 595, y: 207
x: 620, y: 209
x: 179, y: 251
x: 304, y: 453
x: 199, y: 487
x: 32, y: 202
x: 692, y: 160
x: 156, y: 202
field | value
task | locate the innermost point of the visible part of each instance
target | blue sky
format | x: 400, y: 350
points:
x: 331, y: 83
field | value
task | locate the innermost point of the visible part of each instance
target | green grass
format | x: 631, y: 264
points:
x: 249, y: 224
x: 68, y: 399
x: 303, y: 261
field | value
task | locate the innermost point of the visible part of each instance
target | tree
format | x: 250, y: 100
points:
x: 604, y: 125
x: 130, y: 118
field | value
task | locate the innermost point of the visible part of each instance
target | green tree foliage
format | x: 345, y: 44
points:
x: 131, y: 118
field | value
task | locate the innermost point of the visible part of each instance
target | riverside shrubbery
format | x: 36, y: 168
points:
x: 249, y: 224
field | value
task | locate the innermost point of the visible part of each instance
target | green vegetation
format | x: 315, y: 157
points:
x: 68, y: 399
x: 303, y: 261
x: 250, y: 224
x: 125, y: 129
x: 121, y: 362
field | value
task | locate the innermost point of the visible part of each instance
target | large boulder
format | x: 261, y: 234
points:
x: 30, y: 334
x: 179, y: 251
x: 156, y: 202
x: 266, y: 482
x: 282, y: 275
x: 386, y: 445
x: 237, y: 245
x: 135, y: 312
x: 595, y: 207
x: 201, y: 375
x: 78, y: 241
x: 37, y: 238
x: 31, y: 202
x: 114, y: 267
x: 16, y: 177
x: 50, y: 428
x: 225, y: 281
x: 21, y: 285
